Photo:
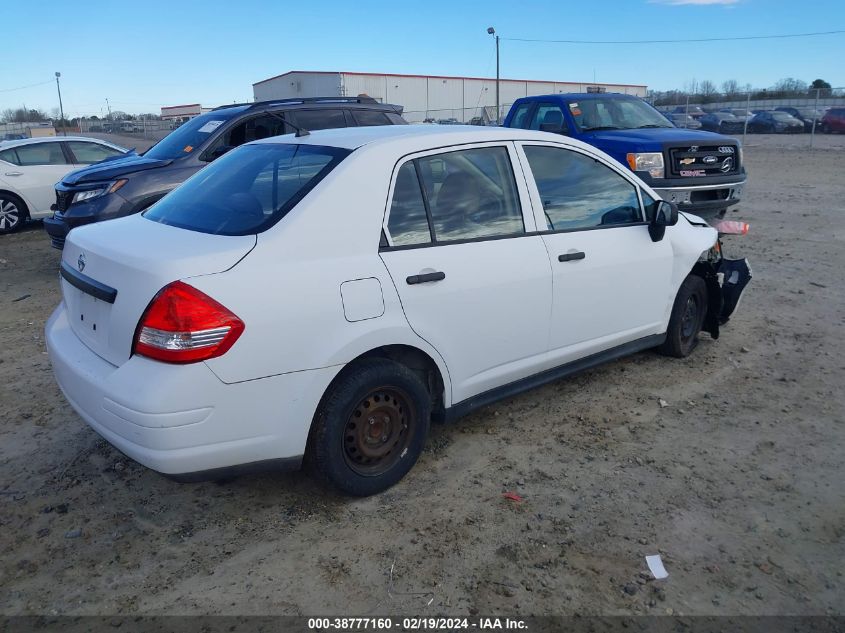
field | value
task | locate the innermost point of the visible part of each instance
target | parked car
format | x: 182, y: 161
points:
x: 130, y: 186
x: 834, y: 120
x: 694, y: 111
x: 12, y: 137
x: 740, y: 113
x: 775, y: 122
x: 437, y: 282
x: 684, y: 121
x: 722, y: 122
x: 128, y: 126
x: 30, y: 168
x: 701, y: 172
x: 806, y: 115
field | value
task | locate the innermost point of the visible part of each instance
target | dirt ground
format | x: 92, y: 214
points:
x: 739, y: 481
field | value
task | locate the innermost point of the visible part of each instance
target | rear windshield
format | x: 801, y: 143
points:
x: 190, y: 136
x: 247, y: 190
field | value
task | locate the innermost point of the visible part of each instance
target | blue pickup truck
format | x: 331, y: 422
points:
x: 701, y: 172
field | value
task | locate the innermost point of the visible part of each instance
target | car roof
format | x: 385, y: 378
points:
x: 582, y: 96
x: 54, y: 139
x: 422, y: 135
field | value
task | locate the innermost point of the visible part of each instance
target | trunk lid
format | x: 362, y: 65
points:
x: 112, y: 270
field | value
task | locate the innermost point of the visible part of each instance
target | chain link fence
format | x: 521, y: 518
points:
x: 820, y: 111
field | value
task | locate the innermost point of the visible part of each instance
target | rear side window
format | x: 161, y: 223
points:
x: 578, y: 192
x: 548, y: 118
x: 468, y: 194
x: 247, y: 190
x: 320, y: 119
x: 408, y: 223
x: 10, y: 156
x: 370, y: 117
x: 39, y: 154
x: 520, y: 117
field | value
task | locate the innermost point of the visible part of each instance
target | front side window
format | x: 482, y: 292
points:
x: 39, y: 154
x: 579, y: 192
x: 248, y: 189
x: 467, y: 194
x: 252, y: 129
x: 86, y: 152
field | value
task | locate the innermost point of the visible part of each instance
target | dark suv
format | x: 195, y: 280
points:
x: 123, y: 186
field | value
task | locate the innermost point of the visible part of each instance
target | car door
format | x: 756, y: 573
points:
x: 473, y: 277
x: 31, y: 171
x: 611, y: 281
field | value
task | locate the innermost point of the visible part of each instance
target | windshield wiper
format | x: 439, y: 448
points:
x: 300, y: 131
x: 650, y: 125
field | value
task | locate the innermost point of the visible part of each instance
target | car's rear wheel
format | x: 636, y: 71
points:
x: 687, y: 317
x: 13, y: 213
x: 370, y: 427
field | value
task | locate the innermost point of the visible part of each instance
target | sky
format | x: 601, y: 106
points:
x: 141, y: 56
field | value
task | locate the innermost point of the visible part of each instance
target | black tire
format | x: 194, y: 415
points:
x: 370, y: 428
x: 13, y: 213
x: 687, y: 317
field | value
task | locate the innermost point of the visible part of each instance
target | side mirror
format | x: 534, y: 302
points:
x: 665, y: 215
x: 218, y: 151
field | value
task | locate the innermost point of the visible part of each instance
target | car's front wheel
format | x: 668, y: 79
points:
x: 370, y: 427
x: 687, y: 317
x: 12, y: 213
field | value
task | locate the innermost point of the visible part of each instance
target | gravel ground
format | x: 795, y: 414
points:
x: 737, y: 481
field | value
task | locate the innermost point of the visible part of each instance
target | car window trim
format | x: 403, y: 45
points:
x: 534, y: 192
x: 445, y: 149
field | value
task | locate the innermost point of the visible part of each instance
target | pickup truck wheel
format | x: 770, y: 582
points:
x: 371, y: 427
x: 687, y: 317
x: 13, y: 213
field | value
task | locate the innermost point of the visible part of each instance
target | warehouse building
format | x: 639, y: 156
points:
x: 432, y: 97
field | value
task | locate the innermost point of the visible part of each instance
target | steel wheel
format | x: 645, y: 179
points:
x: 690, y: 321
x: 378, y: 431
x: 11, y: 215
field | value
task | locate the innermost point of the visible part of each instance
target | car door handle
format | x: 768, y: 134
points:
x: 425, y: 278
x: 571, y: 257
x: 14, y: 173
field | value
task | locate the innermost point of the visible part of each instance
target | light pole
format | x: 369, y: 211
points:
x: 492, y: 32
x: 61, y: 107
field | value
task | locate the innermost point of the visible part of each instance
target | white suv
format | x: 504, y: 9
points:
x: 327, y: 295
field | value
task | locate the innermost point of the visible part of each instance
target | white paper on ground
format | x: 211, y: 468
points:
x: 655, y: 564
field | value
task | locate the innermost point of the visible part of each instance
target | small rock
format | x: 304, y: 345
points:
x: 43, y: 532
x: 744, y: 349
x: 119, y: 466
x: 631, y: 589
x: 73, y: 533
x: 520, y: 482
x: 61, y: 508
x: 663, y: 404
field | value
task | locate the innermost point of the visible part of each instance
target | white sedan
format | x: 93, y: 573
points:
x: 30, y: 168
x: 328, y: 295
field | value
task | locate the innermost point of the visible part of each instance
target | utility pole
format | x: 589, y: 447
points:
x: 492, y: 32
x: 108, y: 107
x: 61, y: 107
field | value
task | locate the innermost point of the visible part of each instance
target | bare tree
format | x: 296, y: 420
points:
x: 707, y: 89
x: 730, y: 88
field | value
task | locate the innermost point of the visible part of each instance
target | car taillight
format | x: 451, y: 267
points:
x: 184, y: 325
